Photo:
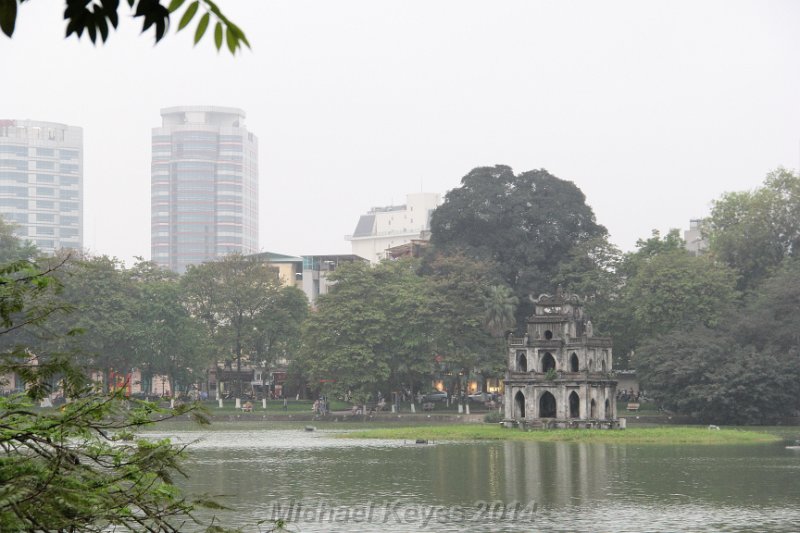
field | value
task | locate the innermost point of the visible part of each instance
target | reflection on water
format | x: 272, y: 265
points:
x: 575, y: 487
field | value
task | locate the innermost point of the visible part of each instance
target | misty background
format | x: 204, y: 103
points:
x: 653, y: 109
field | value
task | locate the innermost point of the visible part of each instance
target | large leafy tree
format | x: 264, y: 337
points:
x: 373, y: 330
x: 460, y: 293
x: 167, y: 340
x: 526, y: 223
x: 706, y: 374
x: 96, y: 19
x: 648, y: 292
x: 276, y: 330
x: 678, y: 290
x: 233, y: 297
x: 745, y: 368
x: 771, y: 321
x: 104, y: 299
x: 754, y: 231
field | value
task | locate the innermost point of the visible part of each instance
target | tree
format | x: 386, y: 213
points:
x: 500, y: 306
x: 677, y: 291
x: 278, y: 328
x: 745, y: 368
x: 707, y: 374
x: 527, y: 224
x: 594, y: 270
x: 753, y: 232
x: 79, y: 468
x: 95, y: 18
x: 462, y: 335
x: 166, y: 339
x: 104, y: 298
x: 770, y: 320
x: 648, y: 292
x: 11, y: 248
x: 231, y: 296
x: 371, y: 331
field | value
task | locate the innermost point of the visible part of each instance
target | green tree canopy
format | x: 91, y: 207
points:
x: 459, y: 295
x: 677, y: 290
x: 373, y: 330
x: 706, y: 374
x: 754, y: 231
x: 234, y: 298
x: 167, y: 340
x: 526, y: 223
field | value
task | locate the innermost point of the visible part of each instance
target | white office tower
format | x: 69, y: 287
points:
x: 204, y: 186
x: 41, y: 182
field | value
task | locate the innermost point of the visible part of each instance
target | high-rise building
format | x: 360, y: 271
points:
x: 204, y: 186
x: 41, y: 182
x: 391, y: 226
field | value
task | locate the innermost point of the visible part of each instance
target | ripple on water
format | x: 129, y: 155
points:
x: 583, y: 489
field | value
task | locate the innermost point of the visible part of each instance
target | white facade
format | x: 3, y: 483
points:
x: 204, y: 186
x: 41, y: 182
x: 386, y: 227
x: 696, y: 243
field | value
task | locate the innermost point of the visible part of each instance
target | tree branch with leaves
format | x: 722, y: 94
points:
x: 98, y: 18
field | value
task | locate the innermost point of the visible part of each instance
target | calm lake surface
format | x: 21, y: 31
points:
x: 329, y: 484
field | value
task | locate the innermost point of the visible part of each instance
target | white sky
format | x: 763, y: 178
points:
x: 652, y: 108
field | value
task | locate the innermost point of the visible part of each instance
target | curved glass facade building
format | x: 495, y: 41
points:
x: 204, y: 186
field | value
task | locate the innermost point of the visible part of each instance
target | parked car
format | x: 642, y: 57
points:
x: 481, y: 397
x: 435, y: 396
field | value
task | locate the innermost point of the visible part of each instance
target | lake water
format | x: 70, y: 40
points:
x: 329, y: 484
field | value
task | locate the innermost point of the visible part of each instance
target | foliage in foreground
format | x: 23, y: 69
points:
x: 82, y: 469
x: 79, y: 468
x: 662, y: 435
x: 98, y: 18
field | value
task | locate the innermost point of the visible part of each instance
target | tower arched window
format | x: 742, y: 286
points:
x: 548, y: 362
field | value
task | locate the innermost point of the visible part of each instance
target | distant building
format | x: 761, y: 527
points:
x: 41, y: 182
x: 204, y: 186
x: 559, y: 373
x: 309, y: 272
x: 316, y: 269
x: 696, y: 243
x: 387, y: 227
x: 290, y: 268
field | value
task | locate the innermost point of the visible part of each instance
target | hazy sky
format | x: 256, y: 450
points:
x: 652, y: 108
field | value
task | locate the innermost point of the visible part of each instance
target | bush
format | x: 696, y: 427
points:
x: 493, y: 418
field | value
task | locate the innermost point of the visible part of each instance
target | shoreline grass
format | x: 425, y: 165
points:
x: 675, y: 435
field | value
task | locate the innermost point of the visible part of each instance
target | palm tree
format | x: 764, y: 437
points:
x: 500, y: 304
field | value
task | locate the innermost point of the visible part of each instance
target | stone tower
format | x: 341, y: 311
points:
x: 559, y: 373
